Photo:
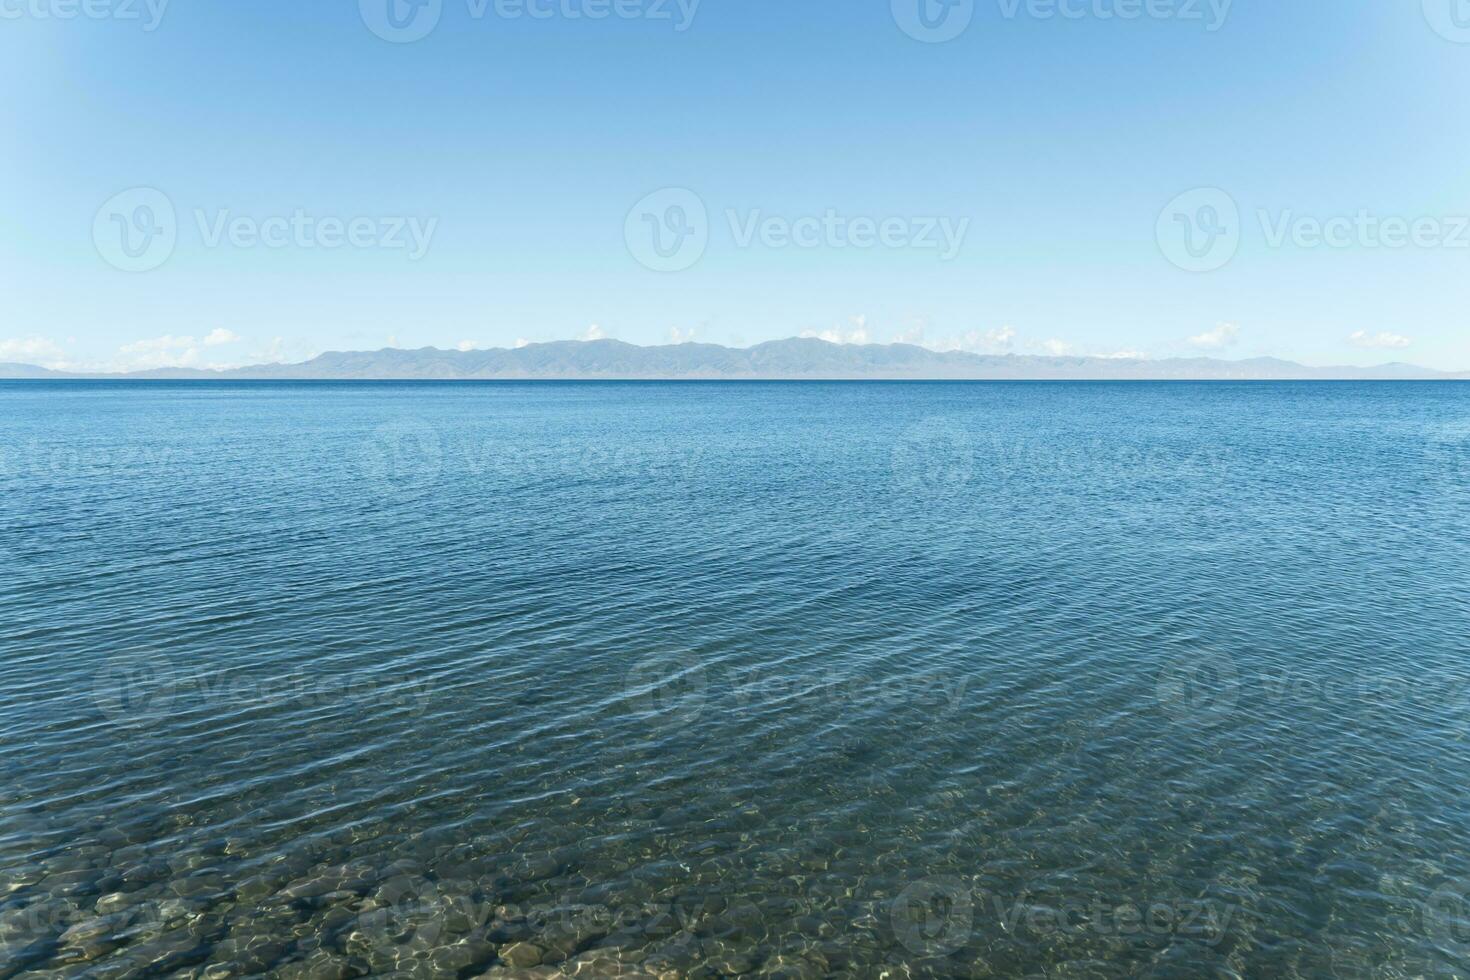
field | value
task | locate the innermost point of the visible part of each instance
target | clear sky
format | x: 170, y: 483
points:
x: 225, y: 182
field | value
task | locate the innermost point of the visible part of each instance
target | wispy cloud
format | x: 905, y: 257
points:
x: 998, y: 341
x: 183, y: 350
x: 1379, y: 341
x: 593, y: 332
x: 1056, y: 348
x: 1001, y: 340
x: 159, y: 352
x: 1224, y: 335
x: 679, y: 336
x: 33, y: 350
x: 274, y: 352
x: 154, y: 344
x: 857, y: 334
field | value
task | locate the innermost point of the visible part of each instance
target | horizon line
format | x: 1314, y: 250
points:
x: 1000, y: 355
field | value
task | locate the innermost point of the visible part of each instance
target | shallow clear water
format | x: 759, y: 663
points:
x: 701, y: 680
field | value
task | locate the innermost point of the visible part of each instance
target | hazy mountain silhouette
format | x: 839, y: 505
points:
x: 794, y: 359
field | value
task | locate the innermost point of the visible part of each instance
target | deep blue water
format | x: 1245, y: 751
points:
x: 667, y: 680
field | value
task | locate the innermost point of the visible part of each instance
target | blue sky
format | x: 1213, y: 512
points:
x: 216, y: 184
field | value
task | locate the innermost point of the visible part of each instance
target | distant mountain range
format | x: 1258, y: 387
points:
x: 795, y: 359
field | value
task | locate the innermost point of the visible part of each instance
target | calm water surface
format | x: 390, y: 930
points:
x: 687, y: 680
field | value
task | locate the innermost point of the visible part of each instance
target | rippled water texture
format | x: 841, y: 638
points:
x: 668, y: 680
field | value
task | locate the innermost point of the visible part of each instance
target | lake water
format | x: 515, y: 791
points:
x: 667, y: 680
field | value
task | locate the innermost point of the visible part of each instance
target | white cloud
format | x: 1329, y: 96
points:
x: 680, y: 336
x: 274, y: 353
x: 465, y: 345
x: 1001, y: 340
x: 167, y: 351
x: 1126, y: 355
x: 171, y: 351
x: 1224, y: 335
x: 522, y: 342
x: 154, y: 345
x: 32, y: 350
x: 158, y: 352
x: 837, y: 335
x: 914, y: 333
x: 593, y: 332
x: 162, y: 359
x: 1391, y: 341
x: 1057, y: 348
x: 998, y: 341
